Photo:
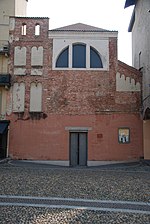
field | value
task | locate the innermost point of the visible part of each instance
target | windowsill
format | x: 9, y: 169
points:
x: 37, y: 66
x: 82, y: 69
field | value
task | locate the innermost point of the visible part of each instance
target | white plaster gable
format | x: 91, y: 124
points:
x: 82, y: 33
x: 102, y: 46
x: 124, y: 84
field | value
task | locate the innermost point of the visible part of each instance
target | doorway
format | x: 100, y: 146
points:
x: 3, y: 138
x: 78, y: 148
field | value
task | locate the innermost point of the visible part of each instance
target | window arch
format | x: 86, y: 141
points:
x: 95, y: 59
x: 62, y: 60
x: 24, y: 29
x: 79, y: 56
x: 37, y: 29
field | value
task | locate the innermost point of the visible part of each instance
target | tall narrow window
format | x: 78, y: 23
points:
x: 24, y: 29
x: 20, y: 56
x: 37, y: 29
x: 36, y: 97
x: 79, y: 56
x: 18, y: 97
x: 37, y: 56
x: 95, y: 59
x: 62, y: 61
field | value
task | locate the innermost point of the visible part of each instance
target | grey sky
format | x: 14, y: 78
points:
x: 108, y: 14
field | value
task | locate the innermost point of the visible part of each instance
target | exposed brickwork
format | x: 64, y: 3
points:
x: 129, y: 71
x: 74, y: 98
x: 129, y: 101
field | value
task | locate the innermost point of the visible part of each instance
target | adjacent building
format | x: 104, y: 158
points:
x: 140, y: 28
x: 7, y: 8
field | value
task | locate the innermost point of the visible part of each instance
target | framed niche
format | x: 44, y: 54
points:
x: 124, y: 135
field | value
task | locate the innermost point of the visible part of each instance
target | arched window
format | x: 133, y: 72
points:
x: 62, y: 61
x: 79, y: 56
x: 95, y: 59
x: 37, y: 29
x: 24, y: 29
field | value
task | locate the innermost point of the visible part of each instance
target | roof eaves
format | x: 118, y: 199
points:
x: 24, y: 17
x: 85, y: 31
x: 129, y: 3
x: 132, y: 21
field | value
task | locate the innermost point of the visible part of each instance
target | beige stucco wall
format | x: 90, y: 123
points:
x: 7, y: 8
x: 3, y: 96
x: 3, y: 65
x: 10, y: 8
x: 20, y: 7
x: 146, y: 132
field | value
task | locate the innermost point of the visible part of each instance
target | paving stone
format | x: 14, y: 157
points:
x: 107, y: 183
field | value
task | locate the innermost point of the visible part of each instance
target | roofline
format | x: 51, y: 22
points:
x: 85, y: 31
x: 131, y: 68
x: 132, y: 21
x: 24, y: 17
x: 129, y: 3
x: 81, y: 34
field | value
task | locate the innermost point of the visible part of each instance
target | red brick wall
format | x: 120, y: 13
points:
x: 48, y: 140
x: 75, y: 99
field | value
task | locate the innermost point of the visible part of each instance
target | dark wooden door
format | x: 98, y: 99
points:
x: 78, y: 148
x: 3, y: 145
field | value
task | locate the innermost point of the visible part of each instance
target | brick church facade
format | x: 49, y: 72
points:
x: 72, y: 102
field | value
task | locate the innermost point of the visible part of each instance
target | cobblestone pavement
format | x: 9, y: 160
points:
x: 117, y: 183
